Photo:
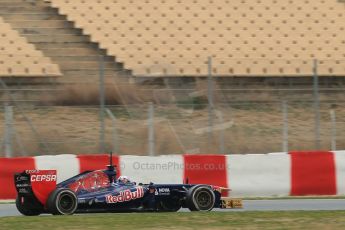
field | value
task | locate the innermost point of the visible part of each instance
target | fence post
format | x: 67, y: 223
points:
x: 115, y: 141
x: 8, y: 136
x: 285, y: 127
x: 151, y: 130
x: 316, y: 104
x: 102, y: 105
x: 334, y: 130
x: 221, y: 135
x: 210, y: 102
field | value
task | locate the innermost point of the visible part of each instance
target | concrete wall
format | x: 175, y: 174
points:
x: 259, y: 175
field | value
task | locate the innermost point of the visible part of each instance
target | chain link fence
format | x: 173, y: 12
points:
x: 232, y: 128
x: 176, y: 115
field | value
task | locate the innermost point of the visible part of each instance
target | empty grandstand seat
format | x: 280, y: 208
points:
x: 150, y: 33
x: 20, y: 58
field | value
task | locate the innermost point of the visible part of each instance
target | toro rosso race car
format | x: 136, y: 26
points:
x: 99, y: 191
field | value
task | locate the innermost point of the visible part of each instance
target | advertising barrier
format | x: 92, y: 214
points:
x: 249, y: 175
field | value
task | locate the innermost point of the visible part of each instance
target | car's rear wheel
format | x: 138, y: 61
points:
x: 28, y: 207
x: 200, y: 198
x: 62, y: 202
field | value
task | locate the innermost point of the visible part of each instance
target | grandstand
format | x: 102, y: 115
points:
x: 245, y: 38
x: 260, y: 41
x: 262, y: 51
x: 37, y: 41
x: 20, y: 58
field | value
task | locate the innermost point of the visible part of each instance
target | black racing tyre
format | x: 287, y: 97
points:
x: 62, y: 201
x: 28, y: 207
x: 200, y: 198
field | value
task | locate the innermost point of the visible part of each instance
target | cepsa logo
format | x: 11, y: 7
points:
x: 126, y: 195
x: 47, y: 178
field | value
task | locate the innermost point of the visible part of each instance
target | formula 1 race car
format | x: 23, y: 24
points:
x: 98, y: 191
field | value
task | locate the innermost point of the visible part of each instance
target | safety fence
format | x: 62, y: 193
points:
x: 153, y: 129
x: 249, y: 175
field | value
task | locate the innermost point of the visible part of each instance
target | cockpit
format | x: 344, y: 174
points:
x: 90, y: 182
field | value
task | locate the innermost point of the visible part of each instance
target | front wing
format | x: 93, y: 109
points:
x: 227, y: 202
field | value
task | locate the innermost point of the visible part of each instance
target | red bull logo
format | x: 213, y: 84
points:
x: 125, y: 195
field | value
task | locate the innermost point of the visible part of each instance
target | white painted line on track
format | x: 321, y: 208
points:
x: 249, y: 205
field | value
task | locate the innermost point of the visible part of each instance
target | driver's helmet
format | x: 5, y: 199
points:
x: 123, y: 179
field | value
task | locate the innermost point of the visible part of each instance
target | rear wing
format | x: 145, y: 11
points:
x: 36, y: 183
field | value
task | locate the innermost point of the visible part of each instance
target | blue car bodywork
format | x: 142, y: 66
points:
x: 98, y: 191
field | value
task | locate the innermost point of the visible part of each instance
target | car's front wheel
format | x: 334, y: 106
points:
x: 200, y: 198
x: 62, y: 202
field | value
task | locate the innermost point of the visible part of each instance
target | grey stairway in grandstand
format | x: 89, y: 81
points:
x: 67, y: 46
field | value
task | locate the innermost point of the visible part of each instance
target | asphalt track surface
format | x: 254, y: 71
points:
x: 249, y: 205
